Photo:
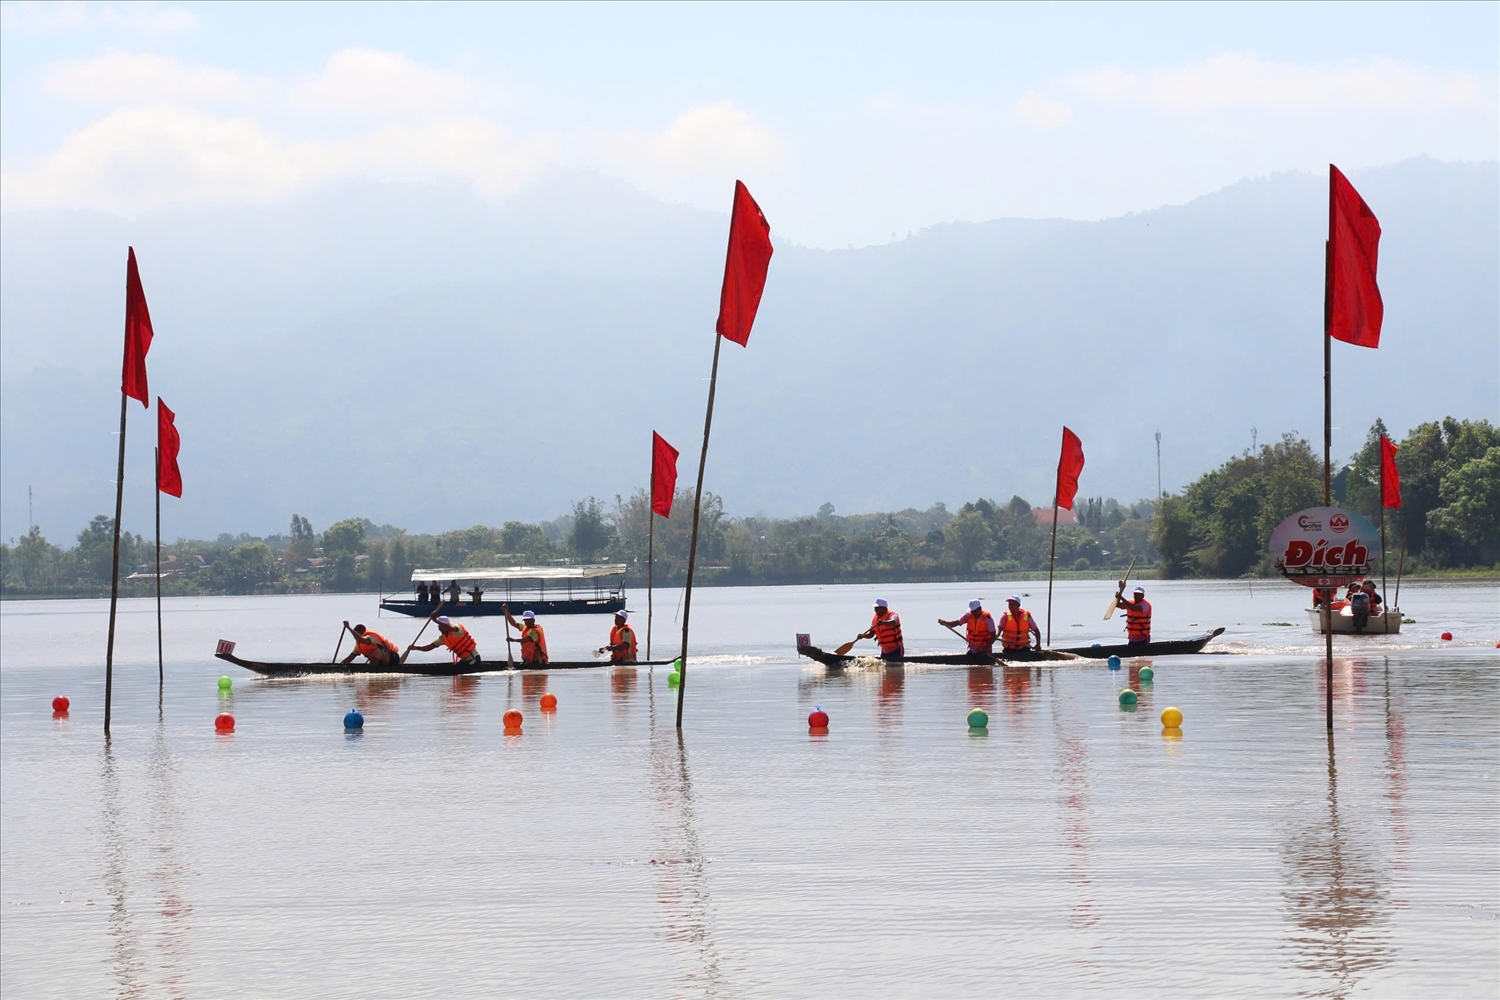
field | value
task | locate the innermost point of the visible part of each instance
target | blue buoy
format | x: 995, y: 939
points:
x: 353, y: 720
x: 1114, y: 663
x: 1094, y: 646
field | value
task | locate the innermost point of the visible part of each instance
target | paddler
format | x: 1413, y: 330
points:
x: 1017, y: 627
x: 458, y: 640
x: 1137, y: 614
x: 377, y: 650
x: 981, y: 632
x: 885, y: 629
x: 533, y: 640
x: 621, y: 646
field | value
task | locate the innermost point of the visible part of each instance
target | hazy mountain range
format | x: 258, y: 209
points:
x: 417, y: 355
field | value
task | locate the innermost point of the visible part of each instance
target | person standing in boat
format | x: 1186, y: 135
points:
x: 454, y: 592
x: 981, y: 631
x: 885, y: 629
x: 533, y: 640
x: 476, y: 595
x: 458, y: 640
x: 1137, y: 614
x: 621, y: 646
x: 377, y: 650
x: 1017, y: 626
x: 422, y: 592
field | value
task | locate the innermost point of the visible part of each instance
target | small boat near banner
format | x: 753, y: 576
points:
x: 1169, y: 648
x: 1384, y: 623
x: 546, y: 590
x: 416, y: 669
x: 1172, y: 647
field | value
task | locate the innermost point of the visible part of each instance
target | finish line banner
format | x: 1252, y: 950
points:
x: 1325, y: 547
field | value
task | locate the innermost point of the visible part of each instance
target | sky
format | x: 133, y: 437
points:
x: 853, y: 124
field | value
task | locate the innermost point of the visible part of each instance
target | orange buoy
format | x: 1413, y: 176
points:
x: 549, y: 703
x: 1447, y: 637
x: 224, y: 722
x: 60, y: 703
x: 512, y: 720
x: 817, y: 719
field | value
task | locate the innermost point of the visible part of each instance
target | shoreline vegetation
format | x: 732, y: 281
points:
x: 1217, y: 528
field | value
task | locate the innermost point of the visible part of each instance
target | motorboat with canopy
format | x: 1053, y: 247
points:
x: 546, y: 590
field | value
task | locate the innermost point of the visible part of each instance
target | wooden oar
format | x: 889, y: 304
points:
x: 510, y: 658
x: 345, y: 627
x: 844, y: 649
x: 419, y: 633
x: 1114, y: 602
x: 965, y: 638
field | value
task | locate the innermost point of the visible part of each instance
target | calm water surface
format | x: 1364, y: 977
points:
x: 1073, y: 849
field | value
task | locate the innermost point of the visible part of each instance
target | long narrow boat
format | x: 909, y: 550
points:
x: 1172, y: 647
x: 428, y: 669
x: 826, y: 658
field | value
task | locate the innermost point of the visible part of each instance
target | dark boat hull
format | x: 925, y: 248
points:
x: 826, y: 658
x: 1175, y: 647
x: 495, y: 608
x: 412, y: 669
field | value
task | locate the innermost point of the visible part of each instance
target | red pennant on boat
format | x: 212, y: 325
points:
x: 168, y: 444
x: 137, y: 335
x: 1069, y: 465
x: 1353, y: 310
x: 745, y: 267
x: 663, y: 475
x: 1390, y: 477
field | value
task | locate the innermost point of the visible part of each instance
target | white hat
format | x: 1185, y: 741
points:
x: 1013, y: 597
x: 623, y: 615
x: 528, y: 614
x: 1140, y: 590
x: 443, y: 620
x: 880, y: 602
x: 974, y: 605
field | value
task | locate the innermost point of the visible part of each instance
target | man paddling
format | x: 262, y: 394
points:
x: 459, y: 642
x: 377, y: 650
x: 621, y: 645
x: 1137, y: 614
x: 981, y: 632
x: 1017, y: 626
x: 885, y: 629
x: 533, y: 640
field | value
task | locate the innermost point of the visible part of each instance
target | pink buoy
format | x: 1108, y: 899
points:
x: 224, y: 722
x: 1447, y: 637
x: 60, y: 703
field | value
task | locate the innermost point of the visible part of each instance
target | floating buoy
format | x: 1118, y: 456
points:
x: 1114, y: 662
x: 1095, y: 646
x: 60, y: 704
x: 225, y: 683
x: 1146, y: 674
x: 224, y: 722
x: 549, y: 702
x: 512, y: 719
x: 1127, y: 697
x: 817, y: 718
x: 1171, y: 733
x: 1171, y: 717
x: 1447, y: 636
x: 978, y: 718
x: 354, y: 720
x: 674, y: 679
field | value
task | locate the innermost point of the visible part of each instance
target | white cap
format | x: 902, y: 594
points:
x: 528, y: 614
x: 623, y: 615
x: 443, y: 620
x: 1013, y: 597
x: 880, y: 603
x: 974, y: 605
x: 1140, y: 590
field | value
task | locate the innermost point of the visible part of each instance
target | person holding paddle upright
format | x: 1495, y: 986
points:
x: 377, y: 650
x: 1017, y: 627
x: 458, y: 640
x: 1137, y: 614
x: 533, y: 640
x: 885, y: 628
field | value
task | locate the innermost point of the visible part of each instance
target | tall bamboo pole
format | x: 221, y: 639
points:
x: 1051, y: 568
x: 687, y: 595
x: 1383, y: 581
x: 650, y: 567
x: 160, y: 660
x: 1328, y: 441
x: 114, y: 576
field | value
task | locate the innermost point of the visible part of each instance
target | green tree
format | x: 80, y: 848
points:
x: 244, y: 567
x: 32, y: 553
x: 1172, y: 535
x: 591, y: 533
x: 304, y: 541
x: 1466, y: 529
x: 969, y: 538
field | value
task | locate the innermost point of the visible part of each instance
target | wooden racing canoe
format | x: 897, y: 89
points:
x: 1172, y: 647
x: 951, y: 659
x: 419, y: 669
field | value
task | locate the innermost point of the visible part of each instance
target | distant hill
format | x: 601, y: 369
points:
x: 415, y: 355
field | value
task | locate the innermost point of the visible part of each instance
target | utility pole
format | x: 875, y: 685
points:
x: 30, y: 517
x: 1158, y: 465
x: 1254, y: 441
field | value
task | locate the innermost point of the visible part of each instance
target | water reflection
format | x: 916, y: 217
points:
x: 888, y: 697
x: 124, y: 939
x: 982, y: 687
x: 1395, y: 748
x: 622, y: 685
x: 462, y: 691
x: 1336, y: 899
x: 533, y: 686
x: 372, y: 693
x: 168, y: 875
x: 1073, y: 781
x: 1017, y: 681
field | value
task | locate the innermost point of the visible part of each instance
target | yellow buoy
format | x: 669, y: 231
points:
x: 1171, y: 717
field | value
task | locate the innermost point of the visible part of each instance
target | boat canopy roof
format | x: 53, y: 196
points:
x: 519, y: 573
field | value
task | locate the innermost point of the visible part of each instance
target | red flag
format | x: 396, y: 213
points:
x: 168, y: 444
x: 663, y: 475
x: 1069, y: 465
x: 1352, y: 307
x: 137, y: 335
x: 744, y: 267
x: 1390, y: 478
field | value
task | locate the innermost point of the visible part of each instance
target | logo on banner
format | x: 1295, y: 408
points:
x: 1325, y: 547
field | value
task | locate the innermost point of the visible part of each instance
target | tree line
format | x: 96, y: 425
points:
x: 1219, y: 526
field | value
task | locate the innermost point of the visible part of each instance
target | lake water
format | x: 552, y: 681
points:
x: 1072, y: 849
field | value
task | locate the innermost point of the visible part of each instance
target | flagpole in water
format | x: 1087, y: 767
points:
x: 650, y: 569
x: 1051, y: 568
x: 687, y: 594
x: 114, y: 575
x: 1383, y: 581
x: 1328, y: 449
x: 160, y: 670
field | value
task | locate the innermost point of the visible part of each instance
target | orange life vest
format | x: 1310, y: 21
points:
x: 459, y: 642
x: 981, y: 631
x: 533, y: 644
x: 888, y: 631
x: 371, y: 641
x: 1138, y: 620
x: 617, y: 635
x: 1015, y: 629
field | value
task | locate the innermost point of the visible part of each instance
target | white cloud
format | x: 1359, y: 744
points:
x: 1039, y: 112
x: 1244, y: 81
x: 137, y: 18
x: 132, y: 78
x: 707, y: 139
x: 375, y: 84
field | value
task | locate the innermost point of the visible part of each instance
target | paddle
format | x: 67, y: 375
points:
x: 510, y: 658
x: 1114, y: 602
x: 844, y: 649
x: 340, y: 644
x: 419, y: 633
x: 965, y: 638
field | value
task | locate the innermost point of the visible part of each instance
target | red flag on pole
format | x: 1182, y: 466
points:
x: 1390, y: 478
x: 1355, y: 309
x: 168, y: 444
x: 663, y: 475
x: 1069, y: 465
x: 745, y: 267
x: 137, y: 335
